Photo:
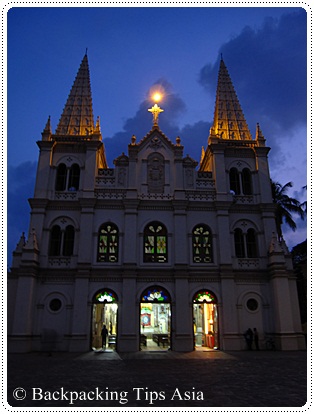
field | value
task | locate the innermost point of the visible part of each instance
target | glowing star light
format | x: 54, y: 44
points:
x: 155, y: 110
x: 157, y: 97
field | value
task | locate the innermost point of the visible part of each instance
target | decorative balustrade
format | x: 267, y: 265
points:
x: 59, y: 261
x: 66, y: 195
x: 247, y: 263
x: 110, y: 194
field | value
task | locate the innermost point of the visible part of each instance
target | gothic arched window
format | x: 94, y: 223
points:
x: 55, y: 241
x: 239, y: 243
x: 234, y: 181
x: 74, y: 178
x: 245, y: 243
x: 240, y: 182
x: 61, y: 177
x: 251, y: 245
x: 202, y: 244
x: 108, y: 243
x: 68, y: 241
x: 61, y: 241
x: 68, y: 178
x: 155, y: 243
x: 246, y: 181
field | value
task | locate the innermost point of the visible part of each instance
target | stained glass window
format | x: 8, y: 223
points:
x: 155, y: 243
x: 202, y: 244
x: 105, y: 296
x: 204, y: 296
x: 108, y: 243
x: 155, y: 294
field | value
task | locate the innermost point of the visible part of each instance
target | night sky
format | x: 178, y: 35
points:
x: 132, y: 49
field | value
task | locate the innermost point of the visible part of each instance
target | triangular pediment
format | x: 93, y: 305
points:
x: 157, y: 141
x: 121, y: 160
x: 189, y: 162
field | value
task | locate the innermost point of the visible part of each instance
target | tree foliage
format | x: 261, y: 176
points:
x: 285, y: 207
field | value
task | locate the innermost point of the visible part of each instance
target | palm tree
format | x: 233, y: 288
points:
x: 285, y: 205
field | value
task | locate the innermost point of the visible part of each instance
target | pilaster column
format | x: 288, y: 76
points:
x: 44, y: 171
x: 182, y: 327
x: 80, y: 317
x: 180, y: 231
x: 129, y: 317
x: 130, y: 253
x: 86, y: 233
x: 20, y: 339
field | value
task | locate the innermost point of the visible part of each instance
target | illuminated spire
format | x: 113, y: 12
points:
x: 77, y: 117
x: 229, y: 121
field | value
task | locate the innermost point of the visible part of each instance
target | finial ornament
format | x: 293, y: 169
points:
x: 97, y: 129
x: 155, y: 110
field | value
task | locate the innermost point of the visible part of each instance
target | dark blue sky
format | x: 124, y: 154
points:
x: 130, y: 50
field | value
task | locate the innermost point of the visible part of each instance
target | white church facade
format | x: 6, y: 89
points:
x: 163, y: 250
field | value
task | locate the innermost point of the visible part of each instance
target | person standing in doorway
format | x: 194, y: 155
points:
x: 104, y: 334
x: 249, y: 338
x: 256, y: 339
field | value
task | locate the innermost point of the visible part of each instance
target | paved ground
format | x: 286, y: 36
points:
x: 158, y: 379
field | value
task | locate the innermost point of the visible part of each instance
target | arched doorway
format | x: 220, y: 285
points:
x: 205, y: 320
x: 104, y: 312
x: 155, y: 319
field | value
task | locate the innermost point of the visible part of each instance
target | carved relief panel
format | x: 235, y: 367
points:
x: 155, y: 173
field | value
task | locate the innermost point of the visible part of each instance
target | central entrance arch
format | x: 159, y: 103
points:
x: 104, y: 313
x: 205, y: 320
x: 155, y: 319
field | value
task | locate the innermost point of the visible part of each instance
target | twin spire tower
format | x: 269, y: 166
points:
x: 77, y: 118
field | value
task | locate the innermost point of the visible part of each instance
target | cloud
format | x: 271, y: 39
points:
x: 141, y: 123
x: 268, y: 69
x: 194, y: 137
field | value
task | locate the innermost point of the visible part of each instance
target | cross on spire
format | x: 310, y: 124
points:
x: 155, y: 110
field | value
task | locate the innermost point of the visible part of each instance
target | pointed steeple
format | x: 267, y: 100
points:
x: 46, y: 134
x: 229, y: 121
x: 77, y: 117
x: 259, y: 137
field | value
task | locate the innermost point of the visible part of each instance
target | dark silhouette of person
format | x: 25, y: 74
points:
x: 255, y: 333
x: 104, y: 334
x: 249, y: 338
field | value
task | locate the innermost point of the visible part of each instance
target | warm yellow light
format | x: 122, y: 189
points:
x: 157, y: 97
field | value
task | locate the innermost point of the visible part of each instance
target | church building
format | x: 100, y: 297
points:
x: 166, y: 252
